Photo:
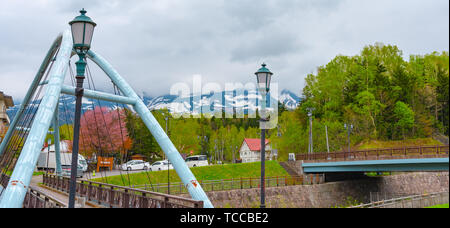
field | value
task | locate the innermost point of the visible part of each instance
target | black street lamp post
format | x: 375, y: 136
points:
x: 82, y: 30
x: 263, y: 76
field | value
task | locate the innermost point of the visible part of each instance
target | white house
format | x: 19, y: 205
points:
x: 251, y: 150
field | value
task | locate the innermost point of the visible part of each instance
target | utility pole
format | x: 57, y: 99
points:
x: 310, y: 144
x: 311, y: 134
x: 326, y: 134
x: 215, y: 151
x: 48, y: 152
x: 166, y: 117
x: 349, y: 128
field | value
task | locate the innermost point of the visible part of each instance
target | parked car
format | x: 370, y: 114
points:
x: 135, y: 165
x: 66, y: 171
x: 161, y: 165
x: 197, y: 161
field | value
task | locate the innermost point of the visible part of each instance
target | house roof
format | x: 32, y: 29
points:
x: 255, y: 144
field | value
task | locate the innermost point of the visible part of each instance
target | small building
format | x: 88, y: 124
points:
x: 250, y: 150
x: 5, y: 103
x: 139, y: 157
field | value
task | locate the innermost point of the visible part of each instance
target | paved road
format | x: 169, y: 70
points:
x: 103, y: 174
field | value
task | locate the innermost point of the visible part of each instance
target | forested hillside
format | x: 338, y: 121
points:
x: 384, y: 96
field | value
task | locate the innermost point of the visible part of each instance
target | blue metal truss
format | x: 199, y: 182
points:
x: 13, y: 196
x: 398, y: 165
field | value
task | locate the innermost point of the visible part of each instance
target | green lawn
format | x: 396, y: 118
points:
x: 373, y: 144
x: 216, y: 172
x: 440, y: 206
x: 9, y: 173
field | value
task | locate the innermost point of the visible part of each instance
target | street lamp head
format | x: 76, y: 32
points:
x: 82, y: 30
x: 263, y: 76
x: 349, y: 126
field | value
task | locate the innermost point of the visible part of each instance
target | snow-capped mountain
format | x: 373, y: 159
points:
x: 247, y: 101
x: 229, y: 101
x: 66, y: 107
x: 289, y: 99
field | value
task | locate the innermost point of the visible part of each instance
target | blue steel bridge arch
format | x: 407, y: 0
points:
x: 14, y: 194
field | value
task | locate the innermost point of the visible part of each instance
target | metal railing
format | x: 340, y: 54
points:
x: 234, y: 184
x: 380, y: 196
x: 415, y: 201
x: 35, y: 198
x: 120, y: 197
x: 4, y: 179
x: 378, y: 154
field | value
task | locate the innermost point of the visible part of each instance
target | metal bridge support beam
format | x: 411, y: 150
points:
x: 183, y: 171
x: 14, y: 194
x: 99, y: 96
x: 57, y: 141
x: 48, y: 58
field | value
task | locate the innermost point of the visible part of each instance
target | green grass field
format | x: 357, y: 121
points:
x: 216, y: 172
x: 9, y: 173
x: 394, y: 144
x: 440, y: 206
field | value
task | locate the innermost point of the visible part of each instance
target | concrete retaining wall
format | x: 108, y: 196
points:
x: 333, y: 194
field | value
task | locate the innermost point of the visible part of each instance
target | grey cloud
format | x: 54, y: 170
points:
x: 156, y: 43
x: 265, y: 46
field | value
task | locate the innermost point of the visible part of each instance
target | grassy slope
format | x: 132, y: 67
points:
x: 392, y: 144
x: 439, y: 206
x: 216, y: 172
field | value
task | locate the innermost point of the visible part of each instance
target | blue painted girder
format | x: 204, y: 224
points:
x: 398, y: 165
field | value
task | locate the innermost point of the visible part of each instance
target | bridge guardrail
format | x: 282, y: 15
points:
x: 35, y: 198
x: 120, y: 197
x: 237, y: 183
x: 379, y: 154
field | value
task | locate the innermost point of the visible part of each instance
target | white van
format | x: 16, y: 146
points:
x: 47, y: 157
x: 47, y: 160
x: 197, y: 161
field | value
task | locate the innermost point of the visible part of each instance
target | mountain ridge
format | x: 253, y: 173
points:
x: 194, y: 104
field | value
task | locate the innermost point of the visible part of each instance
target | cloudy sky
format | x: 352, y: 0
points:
x: 155, y: 44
